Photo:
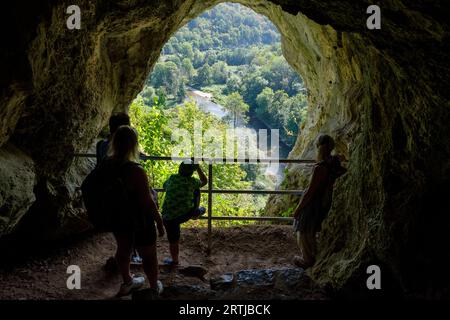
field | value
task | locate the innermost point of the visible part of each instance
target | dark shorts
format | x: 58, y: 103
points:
x: 140, y: 238
x: 173, y: 227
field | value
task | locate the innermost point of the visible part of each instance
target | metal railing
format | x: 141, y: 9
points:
x: 210, y: 191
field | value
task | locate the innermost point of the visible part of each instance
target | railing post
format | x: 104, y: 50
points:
x: 210, y: 180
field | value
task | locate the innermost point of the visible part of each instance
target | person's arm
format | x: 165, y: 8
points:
x: 202, y: 176
x: 98, y: 151
x: 142, y: 156
x: 319, y: 175
x: 145, y: 200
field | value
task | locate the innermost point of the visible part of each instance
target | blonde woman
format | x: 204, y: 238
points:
x: 316, y: 201
x: 137, y: 221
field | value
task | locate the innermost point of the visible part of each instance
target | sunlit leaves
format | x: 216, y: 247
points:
x: 155, y: 125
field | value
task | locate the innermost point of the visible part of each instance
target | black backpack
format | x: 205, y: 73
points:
x: 105, y: 197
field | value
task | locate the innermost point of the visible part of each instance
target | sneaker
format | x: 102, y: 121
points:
x: 169, y: 262
x: 149, y: 294
x: 135, y: 284
x: 135, y: 259
x: 159, y: 289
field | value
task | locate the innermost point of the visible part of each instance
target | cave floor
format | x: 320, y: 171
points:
x: 238, y: 248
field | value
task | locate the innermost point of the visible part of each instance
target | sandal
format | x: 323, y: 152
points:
x: 169, y: 262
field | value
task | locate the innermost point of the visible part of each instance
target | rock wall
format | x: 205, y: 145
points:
x: 382, y: 94
x: 17, y: 180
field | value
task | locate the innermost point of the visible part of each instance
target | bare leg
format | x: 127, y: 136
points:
x: 174, y: 251
x: 123, y: 257
x: 150, y: 264
x: 308, y: 246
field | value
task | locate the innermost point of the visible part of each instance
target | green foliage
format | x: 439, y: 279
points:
x: 187, y: 69
x: 235, y: 104
x: 156, y: 124
x: 277, y: 108
x: 233, y: 48
x: 203, y: 77
x: 148, y: 95
x: 166, y: 74
x: 233, y: 84
x: 252, y: 85
x: 234, y: 54
x: 219, y: 72
x: 217, y: 91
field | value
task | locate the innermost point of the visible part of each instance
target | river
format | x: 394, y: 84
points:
x: 205, y: 103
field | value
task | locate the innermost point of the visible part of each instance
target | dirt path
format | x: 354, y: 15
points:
x: 234, y: 249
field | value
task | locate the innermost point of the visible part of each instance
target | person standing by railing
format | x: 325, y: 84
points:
x: 101, y: 152
x: 316, y: 201
x: 138, y: 227
x: 181, y: 204
x: 115, y: 121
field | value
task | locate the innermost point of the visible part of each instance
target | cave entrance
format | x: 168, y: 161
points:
x: 224, y: 70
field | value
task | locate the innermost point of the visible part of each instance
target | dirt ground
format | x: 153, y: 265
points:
x: 44, y: 276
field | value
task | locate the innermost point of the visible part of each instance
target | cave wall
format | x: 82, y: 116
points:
x: 382, y: 94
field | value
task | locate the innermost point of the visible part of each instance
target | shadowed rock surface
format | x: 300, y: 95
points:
x: 382, y: 94
x: 252, y: 284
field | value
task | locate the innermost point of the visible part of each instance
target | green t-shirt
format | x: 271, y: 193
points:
x: 179, y: 198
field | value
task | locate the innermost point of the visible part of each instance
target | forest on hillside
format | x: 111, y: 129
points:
x: 235, y: 54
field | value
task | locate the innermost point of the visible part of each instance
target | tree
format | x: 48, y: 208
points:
x: 173, y: 58
x: 210, y: 57
x: 199, y: 59
x: 268, y: 37
x: 233, y: 84
x: 219, y: 72
x: 168, y: 49
x: 264, y: 100
x: 147, y: 95
x: 280, y: 75
x: 166, y: 74
x: 253, y: 84
x: 203, y: 77
x: 186, y: 50
x: 188, y: 68
x: 181, y: 93
x: 161, y: 97
x: 235, y: 104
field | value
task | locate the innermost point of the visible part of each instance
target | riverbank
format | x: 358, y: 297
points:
x: 204, y: 100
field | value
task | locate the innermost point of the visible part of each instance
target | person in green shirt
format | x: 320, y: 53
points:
x: 181, y: 204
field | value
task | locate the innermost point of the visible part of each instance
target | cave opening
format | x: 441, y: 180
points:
x: 382, y: 94
x: 224, y: 70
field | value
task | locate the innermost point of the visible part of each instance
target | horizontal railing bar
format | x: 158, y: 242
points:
x: 287, y: 219
x: 214, y: 160
x: 225, y: 191
x: 85, y: 155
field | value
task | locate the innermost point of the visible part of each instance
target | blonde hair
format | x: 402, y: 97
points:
x: 124, y: 145
x: 324, y: 144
